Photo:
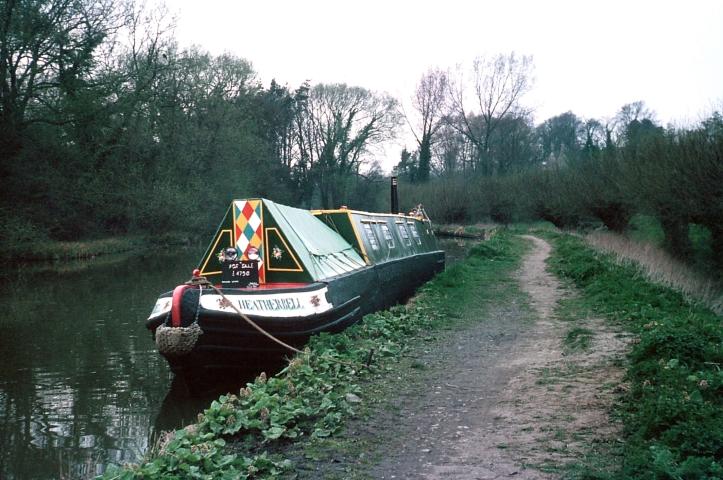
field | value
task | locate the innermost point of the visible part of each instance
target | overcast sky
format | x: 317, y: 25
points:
x: 590, y: 57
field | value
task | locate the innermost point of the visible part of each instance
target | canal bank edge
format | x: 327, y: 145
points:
x: 246, y: 434
x: 34, y: 252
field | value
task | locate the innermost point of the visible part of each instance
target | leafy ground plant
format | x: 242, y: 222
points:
x: 244, y: 435
x: 673, y: 411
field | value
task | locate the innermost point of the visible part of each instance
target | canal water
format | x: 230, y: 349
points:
x: 81, y: 383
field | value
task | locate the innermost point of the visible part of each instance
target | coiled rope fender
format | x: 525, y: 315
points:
x: 176, y: 340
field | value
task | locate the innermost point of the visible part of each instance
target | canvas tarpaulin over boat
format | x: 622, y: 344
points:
x: 291, y: 244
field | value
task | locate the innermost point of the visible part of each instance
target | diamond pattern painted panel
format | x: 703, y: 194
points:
x: 248, y: 231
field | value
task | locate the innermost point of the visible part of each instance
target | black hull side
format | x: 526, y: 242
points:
x: 228, y: 342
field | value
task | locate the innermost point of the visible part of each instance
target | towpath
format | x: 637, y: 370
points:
x: 502, y: 398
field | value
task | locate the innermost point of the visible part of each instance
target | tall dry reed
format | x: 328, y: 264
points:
x: 661, y: 268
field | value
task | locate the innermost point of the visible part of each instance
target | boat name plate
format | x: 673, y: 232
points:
x: 288, y: 304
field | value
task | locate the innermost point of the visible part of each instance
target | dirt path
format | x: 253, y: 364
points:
x: 502, y: 398
x: 556, y: 405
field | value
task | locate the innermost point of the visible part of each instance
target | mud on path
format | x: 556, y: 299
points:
x: 501, y: 398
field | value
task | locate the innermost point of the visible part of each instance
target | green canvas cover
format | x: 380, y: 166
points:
x: 316, y: 252
x: 323, y: 252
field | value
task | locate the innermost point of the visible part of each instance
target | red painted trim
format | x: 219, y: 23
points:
x: 176, y: 304
x: 272, y: 286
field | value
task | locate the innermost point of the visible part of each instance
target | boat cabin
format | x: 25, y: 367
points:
x: 291, y: 245
x: 379, y: 237
x: 295, y: 246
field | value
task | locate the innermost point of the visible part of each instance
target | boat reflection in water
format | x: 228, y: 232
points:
x: 186, y: 398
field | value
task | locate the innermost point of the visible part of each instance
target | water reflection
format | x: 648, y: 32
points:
x: 81, y: 384
x: 184, y: 401
x: 80, y: 380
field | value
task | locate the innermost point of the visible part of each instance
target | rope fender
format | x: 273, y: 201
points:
x: 176, y: 340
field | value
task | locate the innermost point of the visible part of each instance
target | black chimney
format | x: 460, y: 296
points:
x: 395, y: 198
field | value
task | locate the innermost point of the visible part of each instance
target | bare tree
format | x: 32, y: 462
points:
x: 428, y: 102
x: 452, y: 150
x: 626, y: 121
x: 499, y: 83
x: 634, y: 111
x: 512, y: 144
x: 336, y: 129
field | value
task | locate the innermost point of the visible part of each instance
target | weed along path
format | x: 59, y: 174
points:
x: 514, y: 393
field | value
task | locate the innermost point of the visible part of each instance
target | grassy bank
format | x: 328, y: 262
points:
x: 673, y: 410
x: 662, y: 268
x: 248, y: 434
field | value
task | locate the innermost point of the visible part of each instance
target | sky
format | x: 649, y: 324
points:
x: 590, y: 57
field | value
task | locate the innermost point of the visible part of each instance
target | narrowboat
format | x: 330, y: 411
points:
x: 293, y: 273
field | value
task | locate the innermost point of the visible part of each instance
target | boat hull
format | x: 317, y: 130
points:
x: 230, y: 342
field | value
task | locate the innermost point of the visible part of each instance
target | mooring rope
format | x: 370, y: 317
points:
x: 203, y: 281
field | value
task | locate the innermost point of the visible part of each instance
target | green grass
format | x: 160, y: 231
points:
x: 673, y: 411
x: 246, y: 435
x: 63, y: 251
x: 646, y: 228
x: 578, y: 339
x: 524, y: 228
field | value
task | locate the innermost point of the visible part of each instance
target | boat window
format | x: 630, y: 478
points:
x: 388, y: 236
x: 371, y: 237
x: 415, y: 234
x: 405, y: 235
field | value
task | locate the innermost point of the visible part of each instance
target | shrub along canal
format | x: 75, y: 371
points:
x: 81, y: 384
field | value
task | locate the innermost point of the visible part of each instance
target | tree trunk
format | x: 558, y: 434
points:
x: 615, y: 216
x: 425, y: 157
x: 716, y: 244
x: 677, y: 241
